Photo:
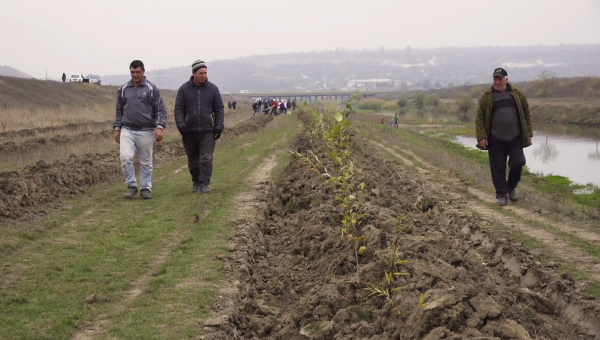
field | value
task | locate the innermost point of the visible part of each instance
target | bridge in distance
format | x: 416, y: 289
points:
x: 309, y: 95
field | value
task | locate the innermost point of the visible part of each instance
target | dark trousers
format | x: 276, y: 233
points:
x: 498, y: 152
x: 199, y: 148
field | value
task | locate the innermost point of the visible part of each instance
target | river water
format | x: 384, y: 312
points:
x: 564, y: 150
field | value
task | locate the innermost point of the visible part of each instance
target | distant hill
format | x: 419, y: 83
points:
x: 11, y: 72
x: 411, y: 68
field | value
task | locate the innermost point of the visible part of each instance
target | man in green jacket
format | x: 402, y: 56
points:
x: 503, y: 127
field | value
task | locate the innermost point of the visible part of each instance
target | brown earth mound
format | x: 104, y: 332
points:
x: 34, y: 143
x: 22, y: 193
x: 297, y: 278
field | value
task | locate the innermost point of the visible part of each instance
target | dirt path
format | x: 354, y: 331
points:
x: 573, y: 255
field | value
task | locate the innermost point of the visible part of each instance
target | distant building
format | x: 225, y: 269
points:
x: 368, y: 83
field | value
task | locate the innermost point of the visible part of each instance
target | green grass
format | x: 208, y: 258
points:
x: 564, y: 186
x: 51, y: 268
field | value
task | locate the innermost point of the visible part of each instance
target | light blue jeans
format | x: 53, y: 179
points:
x: 143, y: 143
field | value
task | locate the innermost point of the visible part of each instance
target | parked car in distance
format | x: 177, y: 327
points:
x: 244, y: 91
x: 76, y: 78
x: 93, y: 79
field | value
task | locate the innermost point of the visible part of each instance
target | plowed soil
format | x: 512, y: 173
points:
x: 62, y: 129
x: 294, y: 277
x: 33, y: 144
x: 22, y: 194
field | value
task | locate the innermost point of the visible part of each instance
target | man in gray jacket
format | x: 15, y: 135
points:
x: 141, y: 119
x: 200, y: 119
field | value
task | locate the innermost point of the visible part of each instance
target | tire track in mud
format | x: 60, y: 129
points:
x: 573, y: 255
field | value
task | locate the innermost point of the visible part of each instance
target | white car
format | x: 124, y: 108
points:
x: 244, y: 91
x: 76, y: 78
x: 94, y: 79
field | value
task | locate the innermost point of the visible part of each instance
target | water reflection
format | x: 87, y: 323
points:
x: 568, y: 151
x: 546, y: 152
x: 595, y: 156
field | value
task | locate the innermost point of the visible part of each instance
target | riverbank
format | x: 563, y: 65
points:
x: 573, y: 114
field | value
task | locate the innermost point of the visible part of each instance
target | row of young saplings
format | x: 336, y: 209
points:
x: 332, y: 130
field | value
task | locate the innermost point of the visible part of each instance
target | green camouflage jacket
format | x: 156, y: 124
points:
x: 483, y: 120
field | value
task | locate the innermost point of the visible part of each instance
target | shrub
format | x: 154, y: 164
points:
x: 373, y: 104
x: 463, y: 103
x: 541, y: 93
x: 402, y: 102
x: 432, y: 100
x: 389, y: 106
x: 419, y: 100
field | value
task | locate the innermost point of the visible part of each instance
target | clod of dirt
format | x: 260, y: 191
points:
x: 318, y: 330
x: 87, y: 302
x: 506, y: 329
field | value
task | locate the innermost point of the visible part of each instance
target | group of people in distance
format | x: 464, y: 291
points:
x: 232, y: 104
x: 271, y: 106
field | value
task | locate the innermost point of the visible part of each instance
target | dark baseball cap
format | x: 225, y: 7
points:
x: 500, y: 72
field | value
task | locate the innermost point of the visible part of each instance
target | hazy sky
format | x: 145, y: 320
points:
x: 103, y: 36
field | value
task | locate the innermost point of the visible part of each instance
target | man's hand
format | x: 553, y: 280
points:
x: 182, y: 130
x: 118, y: 136
x: 217, y: 134
x: 158, y: 133
x: 483, y: 144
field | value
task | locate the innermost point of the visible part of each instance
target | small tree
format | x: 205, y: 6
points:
x: 594, y: 85
x: 402, y: 102
x: 545, y: 81
x: 432, y: 100
x: 463, y: 103
x: 419, y: 100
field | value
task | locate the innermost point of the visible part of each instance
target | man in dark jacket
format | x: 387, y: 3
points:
x: 200, y: 118
x: 140, y: 120
x: 234, y: 104
x: 64, y: 77
x: 503, y: 127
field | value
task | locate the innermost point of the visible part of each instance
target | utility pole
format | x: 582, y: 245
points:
x: 46, y: 74
x: 159, y: 77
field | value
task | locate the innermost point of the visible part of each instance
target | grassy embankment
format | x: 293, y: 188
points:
x: 166, y: 248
